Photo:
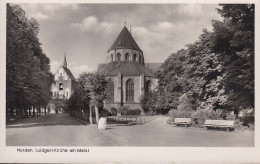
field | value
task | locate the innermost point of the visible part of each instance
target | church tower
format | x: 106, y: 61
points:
x: 125, y: 48
x: 128, y: 75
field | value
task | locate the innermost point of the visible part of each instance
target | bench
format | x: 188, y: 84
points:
x: 229, y: 124
x: 182, y: 121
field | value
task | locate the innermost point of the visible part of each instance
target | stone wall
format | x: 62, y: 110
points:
x: 139, y: 83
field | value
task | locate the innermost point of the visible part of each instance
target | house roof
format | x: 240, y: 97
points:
x: 126, y: 68
x: 125, y: 40
x: 69, y: 73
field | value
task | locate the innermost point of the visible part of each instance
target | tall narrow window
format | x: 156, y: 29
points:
x: 148, y: 86
x: 118, y: 57
x: 140, y: 59
x: 134, y: 57
x: 129, y: 90
x: 110, y: 89
x: 127, y: 57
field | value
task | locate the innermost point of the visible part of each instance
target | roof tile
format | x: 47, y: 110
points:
x: 125, y: 40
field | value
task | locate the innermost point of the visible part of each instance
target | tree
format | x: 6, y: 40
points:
x: 28, y: 76
x: 238, y: 55
x: 148, y: 102
x: 216, y: 71
x: 95, y: 86
x: 171, y: 80
x: 204, y: 71
x: 78, y: 103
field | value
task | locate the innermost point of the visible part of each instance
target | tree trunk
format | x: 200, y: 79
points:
x: 97, y: 114
x: 21, y: 112
x: 90, y: 115
x: 45, y: 112
x: 33, y: 111
x: 38, y: 110
x: 12, y: 112
x: 236, y: 113
x: 30, y: 111
x: 25, y: 112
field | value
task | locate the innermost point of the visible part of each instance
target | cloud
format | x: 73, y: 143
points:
x: 77, y: 70
x: 88, y: 30
x: 72, y: 6
x: 54, y: 66
x: 55, y: 7
x: 91, y: 24
x: 51, y: 7
x: 40, y: 15
x: 191, y: 10
x: 45, y: 11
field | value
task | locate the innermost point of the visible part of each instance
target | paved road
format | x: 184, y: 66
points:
x: 63, y: 130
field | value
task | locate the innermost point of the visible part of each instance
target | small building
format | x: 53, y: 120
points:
x: 65, y: 84
x: 128, y: 75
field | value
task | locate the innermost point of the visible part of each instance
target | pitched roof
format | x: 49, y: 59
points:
x: 69, y: 73
x: 125, y: 40
x: 126, y: 68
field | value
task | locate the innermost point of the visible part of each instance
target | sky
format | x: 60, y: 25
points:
x: 86, y: 31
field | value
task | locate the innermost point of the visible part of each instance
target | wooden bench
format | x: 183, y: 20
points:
x: 182, y: 121
x: 229, y: 124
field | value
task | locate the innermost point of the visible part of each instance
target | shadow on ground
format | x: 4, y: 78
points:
x: 47, y: 120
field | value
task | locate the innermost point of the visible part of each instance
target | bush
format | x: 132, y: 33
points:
x: 179, y: 114
x: 148, y: 101
x: 201, y: 115
x: 124, y: 110
x: 113, y: 111
x: 134, y: 112
x: 104, y: 113
x: 248, y: 117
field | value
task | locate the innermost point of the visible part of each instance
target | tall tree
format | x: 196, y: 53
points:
x: 172, y: 81
x: 216, y: 71
x: 237, y: 55
x: 28, y: 76
x: 95, y: 86
x: 78, y: 103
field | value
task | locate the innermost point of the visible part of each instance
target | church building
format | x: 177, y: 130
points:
x: 128, y: 75
x: 64, y: 86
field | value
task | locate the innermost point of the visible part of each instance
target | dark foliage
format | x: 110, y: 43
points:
x: 217, y: 71
x: 28, y: 76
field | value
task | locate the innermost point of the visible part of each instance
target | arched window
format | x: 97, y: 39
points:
x: 110, y: 91
x: 60, y: 87
x: 129, y: 90
x: 127, y: 57
x: 140, y: 59
x: 148, y: 86
x: 112, y: 57
x: 134, y: 57
x: 118, y: 57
